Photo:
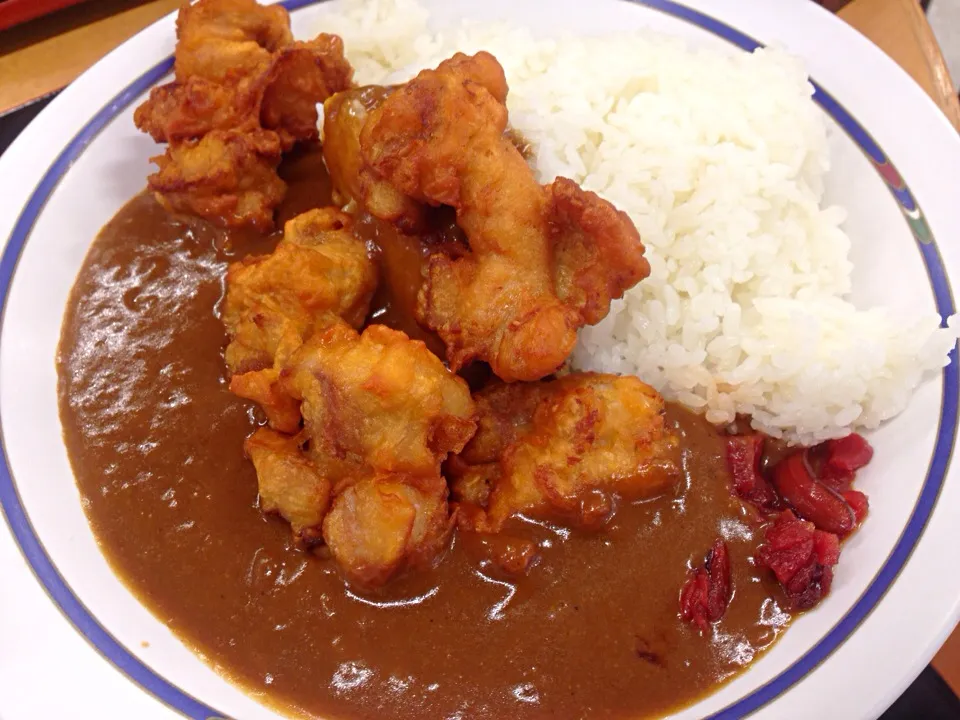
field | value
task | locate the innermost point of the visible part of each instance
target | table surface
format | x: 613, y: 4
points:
x: 44, y: 55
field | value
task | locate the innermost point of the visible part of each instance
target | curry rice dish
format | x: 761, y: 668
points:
x: 319, y: 405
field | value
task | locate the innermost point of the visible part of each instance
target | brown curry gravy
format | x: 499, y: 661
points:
x: 155, y: 441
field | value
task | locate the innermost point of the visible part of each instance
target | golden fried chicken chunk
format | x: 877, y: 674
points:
x: 281, y: 96
x: 300, y: 77
x: 263, y: 387
x: 319, y: 272
x: 189, y: 109
x: 288, y: 482
x: 318, y: 275
x: 380, y: 414
x: 504, y: 412
x: 225, y: 49
x: 238, y: 74
x: 344, y: 115
x: 381, y: 525
x: 564, y: 450
x: 378, y: 399
x: 542, y: 261
x: 227, y: 175
x: 597, y: 253
x: 223, y: 39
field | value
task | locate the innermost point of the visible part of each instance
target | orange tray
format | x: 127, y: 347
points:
x: 14, y: 12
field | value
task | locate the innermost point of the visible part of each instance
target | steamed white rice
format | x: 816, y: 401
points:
x: 719, y: 159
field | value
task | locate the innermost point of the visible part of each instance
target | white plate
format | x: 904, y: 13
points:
x: 897, y: 592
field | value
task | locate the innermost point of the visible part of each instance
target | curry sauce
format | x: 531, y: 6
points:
x: 155, y: 439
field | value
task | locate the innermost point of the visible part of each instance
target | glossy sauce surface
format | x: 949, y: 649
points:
x: 156, y: 440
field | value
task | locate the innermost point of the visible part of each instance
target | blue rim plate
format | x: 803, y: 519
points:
x: 47, y: 573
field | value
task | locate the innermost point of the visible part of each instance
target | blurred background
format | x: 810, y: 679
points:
x: 944, y: 17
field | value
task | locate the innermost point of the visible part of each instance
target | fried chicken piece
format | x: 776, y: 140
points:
x: 224, y: 39
x: 301, y: 76
x: 387, y: 523
x: 281, y: 96
x: 318, y: 274
x: 381, y: 413
x: 542, y: 261
x: 228, y: 176
x: 263, y: 387
x: 378, y: 399
x: 288, y: 483
x: 505, y: 412
x: 344, y: 115
x: 225, y: 49
x: 597, y: 253
x: 189, y: 109
x: 564, y: 450
x: 238, y: 74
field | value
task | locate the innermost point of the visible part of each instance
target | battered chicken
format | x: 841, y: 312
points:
x: 387, y: 523
x: 189, y: 109
x: 223, y: 39
x: 543, y: 261
x: 361, y: 423
x: 289, y: 483
x: 318, y: 274
x: 238, y: 75
x: 380, y: 415
x: 280, y: 95
x: 223, y: 48
x: 300, y: 77
x: 378, y: 399
x: 564, y: 451
x: 227, y: 175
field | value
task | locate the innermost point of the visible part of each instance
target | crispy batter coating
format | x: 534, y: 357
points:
x: 597, y: 253
x: 381, y: 413
x: 263, y: 387
x: 344, y: 115
x: 189, y: 109
x: 564, y: 451
x: 238, y: 73
x: 223, y: 39
x: 542, y: 261
x: 378, y: 399
x: 288, y: 482
x: 387, y: 523
x: 504, y: 414
x: 281, y: 96
x: 318, y: 274
x: 225, y: 52
x: 301, y: 76
x: 227, y: 175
